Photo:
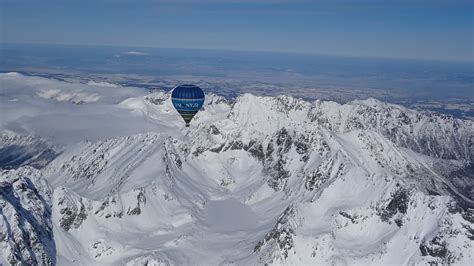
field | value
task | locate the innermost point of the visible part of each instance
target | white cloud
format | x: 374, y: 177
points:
x: 67, y: 112
x: 136, y: 53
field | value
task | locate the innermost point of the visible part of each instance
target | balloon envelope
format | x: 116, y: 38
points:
x: 187, y: 100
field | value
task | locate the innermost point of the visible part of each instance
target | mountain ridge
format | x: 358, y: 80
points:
x: 385, y: 184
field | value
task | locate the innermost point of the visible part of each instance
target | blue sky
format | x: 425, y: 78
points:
x: 398, y: 28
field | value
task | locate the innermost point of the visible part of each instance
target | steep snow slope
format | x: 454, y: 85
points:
x: 258, y: 180
x: 19, y: 150
x: 26, y: 230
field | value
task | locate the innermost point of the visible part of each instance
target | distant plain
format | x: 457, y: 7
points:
x: 442, y: 86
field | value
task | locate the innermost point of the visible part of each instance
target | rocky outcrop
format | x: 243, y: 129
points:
x: 20, y: 150
x: 26, y: 230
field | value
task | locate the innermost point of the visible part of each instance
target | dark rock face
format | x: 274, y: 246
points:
x: 16, y: 151
x: 398, y: 204
x: 141, y: 199
x: 437, y: 248
x: 463, y: 181
x: 102, y: 210
x: 468, y: 215
x: 71, y: 218
x: 172, y: 156
x: 283, y: 140
x: 275, y: 163
x: 278, y: 174
x: 256, y: 150
x: 159, y: 100
x: 314, y: 179
x: 214, y: 130
x: 25, y: 212
x: 72, y: 209
x: 344, y: 214
x: 280, y: 237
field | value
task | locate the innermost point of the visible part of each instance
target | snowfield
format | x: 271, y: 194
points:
x: 97, y: 174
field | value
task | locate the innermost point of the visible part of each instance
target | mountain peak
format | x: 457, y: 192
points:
x: 313, y: 180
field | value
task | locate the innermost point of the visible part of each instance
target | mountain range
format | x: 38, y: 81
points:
x: 255, y: 180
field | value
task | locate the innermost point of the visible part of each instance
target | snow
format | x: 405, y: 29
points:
x: 229, y: 215
x: 76, y: 97
x: 260, y: 180
x: 102, y: 84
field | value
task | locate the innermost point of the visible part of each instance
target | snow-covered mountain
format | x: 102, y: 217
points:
x: 259, y: 180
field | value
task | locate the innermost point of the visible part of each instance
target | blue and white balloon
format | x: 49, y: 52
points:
x: 187, y: 100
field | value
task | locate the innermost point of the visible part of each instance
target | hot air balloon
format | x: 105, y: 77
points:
x: 187, y: 100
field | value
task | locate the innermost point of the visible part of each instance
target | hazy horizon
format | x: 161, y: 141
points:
x: 469, y: 61
x: 433, y: 30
